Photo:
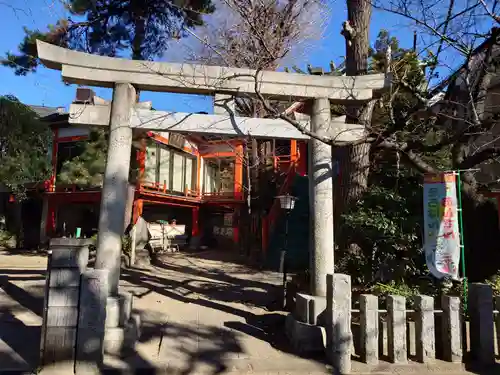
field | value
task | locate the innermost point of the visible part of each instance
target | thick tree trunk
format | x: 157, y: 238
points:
x: 352, y: 162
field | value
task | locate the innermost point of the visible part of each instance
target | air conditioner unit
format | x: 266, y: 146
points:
x: 84, y: 95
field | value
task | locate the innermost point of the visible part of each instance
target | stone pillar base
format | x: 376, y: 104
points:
x: 305, y: 338
x: 305, y: 327
x: 118, y: 340
x: 310, y: 309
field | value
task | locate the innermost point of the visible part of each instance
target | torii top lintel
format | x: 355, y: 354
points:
x: 87, y: 69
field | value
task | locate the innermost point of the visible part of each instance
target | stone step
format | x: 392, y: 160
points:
x: 118, y: 310
x: 119, y: 339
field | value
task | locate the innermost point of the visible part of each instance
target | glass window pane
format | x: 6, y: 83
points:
x: 164, y: 167
x: 178, y: 173
x: 208, y: 178
x: 189, y: 173
x: 150, y: 167
x: 215, y: 179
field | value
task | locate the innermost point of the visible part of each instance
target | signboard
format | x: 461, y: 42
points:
x: 441, y: 233
x: 176, y: 140
x: 228, y: 220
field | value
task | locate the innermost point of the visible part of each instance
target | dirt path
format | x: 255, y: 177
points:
x: 205, y: 315
x: 202, y: 313
x: 22, y: 280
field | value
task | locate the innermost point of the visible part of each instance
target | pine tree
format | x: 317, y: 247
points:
x: 24, y: 145
x: 110, y: 27
x: 87, y: 169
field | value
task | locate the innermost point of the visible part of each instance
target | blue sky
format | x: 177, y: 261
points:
x: 46, y: 88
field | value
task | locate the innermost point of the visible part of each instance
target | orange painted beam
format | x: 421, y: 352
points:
x: 226, y: 154
x: 156, y: 200
x: 141, y: 160
x: 238, y: 172
x: 302, y: 159
x: 293, y: 151
x: 138, y: 208
x: 74, y: 138
x: 55, y: 146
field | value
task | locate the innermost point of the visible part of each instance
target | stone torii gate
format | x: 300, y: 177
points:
x: 123, y: 115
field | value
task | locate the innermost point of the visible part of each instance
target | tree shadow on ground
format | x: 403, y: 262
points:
x: 267, y: 327
x: 238, y: 261
x: 219, y: 285
x: 186, y: 347
x: 19, y: 342
x: 23, y: 341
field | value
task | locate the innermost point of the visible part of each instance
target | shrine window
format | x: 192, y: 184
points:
x: 170, y: 168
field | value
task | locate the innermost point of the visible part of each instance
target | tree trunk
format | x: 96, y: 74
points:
x: 139, y: 36
x: 352, y: 162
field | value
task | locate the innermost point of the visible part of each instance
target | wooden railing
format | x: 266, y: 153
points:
x: 191, y: 193
x: 162, y: 188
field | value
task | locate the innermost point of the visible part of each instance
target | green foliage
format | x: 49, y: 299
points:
x: 87, y: 169
x: 382, y: 232
x: 403, y: 289
x: 494, y: 282
x: 24, y: 145
x: 404, y: 61
x: 108, y: 27
x: 383, y: 229
x: 396, y: 289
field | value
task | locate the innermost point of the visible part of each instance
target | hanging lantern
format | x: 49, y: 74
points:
x: 287, y: 202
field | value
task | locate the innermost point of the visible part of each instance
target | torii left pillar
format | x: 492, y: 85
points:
x: 115, y: 187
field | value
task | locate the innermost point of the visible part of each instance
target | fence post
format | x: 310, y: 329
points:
x: 481, y: 323
x: 91, y: 320
x: 68, y: 260
x: 338, y: 322
x: 424, y: 329
x: 369, y: 328
x: 396, y: 328
x: 497, y: 322
x: 451, y: 338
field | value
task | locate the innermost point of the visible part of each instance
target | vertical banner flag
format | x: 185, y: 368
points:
x: 441, y: 233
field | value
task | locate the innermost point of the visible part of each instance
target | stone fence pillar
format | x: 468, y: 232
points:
x: 425, y: 329
x: 481, y: 323
x: 68, y: 260
x: 451, y: 329
x: 369, y: 321
x: 338, y: 322
x: 91, y: 321
x: 396, y: 329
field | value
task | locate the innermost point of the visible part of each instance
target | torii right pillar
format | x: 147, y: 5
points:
x: 321, y: 320
x: 321, y: 199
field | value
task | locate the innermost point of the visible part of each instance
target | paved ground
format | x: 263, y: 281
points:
x: 201, y: 315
